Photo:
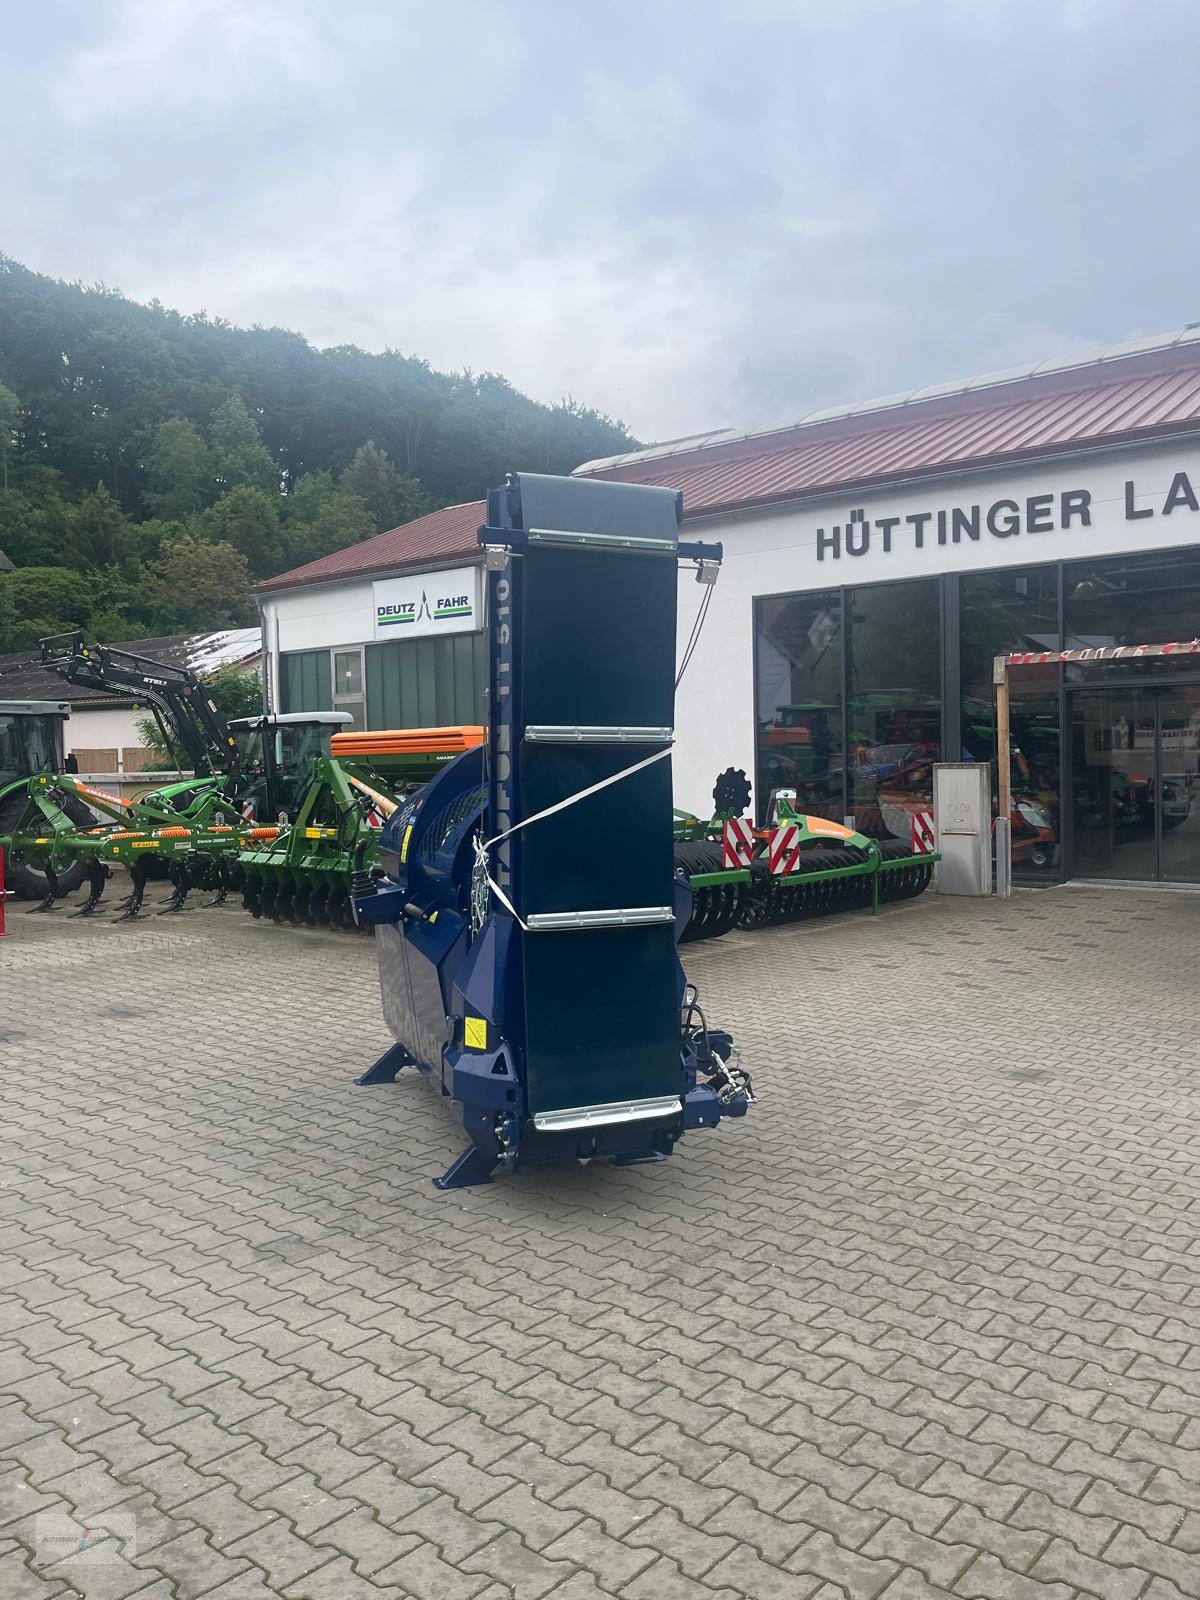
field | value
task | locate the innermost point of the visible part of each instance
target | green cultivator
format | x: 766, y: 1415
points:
x: 249, y: 778
x: 306, y: 874
x: 798, y: 867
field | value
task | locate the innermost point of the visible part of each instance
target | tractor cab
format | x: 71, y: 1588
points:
x: 277, y: 752
x: 31, y: 738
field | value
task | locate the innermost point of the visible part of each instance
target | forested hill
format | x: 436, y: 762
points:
x: 153, y: 466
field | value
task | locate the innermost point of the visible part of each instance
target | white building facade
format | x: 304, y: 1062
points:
x: 849, y: 641
x: 389, y: 631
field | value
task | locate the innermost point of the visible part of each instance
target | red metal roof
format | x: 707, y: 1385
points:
x: 1100, y: 403
x: 440, y: 536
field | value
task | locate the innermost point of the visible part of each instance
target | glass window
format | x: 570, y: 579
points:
x: 1146, y: 599
x: 1001, y: 612
x: 347, y: 673
x: 28, y: 744
x: 893, y: 718
x: 798, y: 695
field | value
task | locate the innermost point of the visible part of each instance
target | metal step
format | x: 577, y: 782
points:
x: 663, y: 1105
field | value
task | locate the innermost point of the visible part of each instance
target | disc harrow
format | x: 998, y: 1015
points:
x: 754, y: 878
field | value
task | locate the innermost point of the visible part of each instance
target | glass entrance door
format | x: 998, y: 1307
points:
x: 1179, y: 786
x: 1135, y: 795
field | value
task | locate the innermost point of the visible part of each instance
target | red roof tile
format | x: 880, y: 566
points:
x: 1109, y: 402
x: 440, y: 536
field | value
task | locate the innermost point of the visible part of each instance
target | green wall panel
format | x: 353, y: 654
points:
x: 304, y: 681
x: 426, y: 683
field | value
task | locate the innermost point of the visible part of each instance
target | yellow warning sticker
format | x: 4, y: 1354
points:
x: 404, y: 844
x: 475, y: 1033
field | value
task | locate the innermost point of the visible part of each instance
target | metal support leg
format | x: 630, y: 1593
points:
x: 178, y: 900
x: 471, y: 1167
x: 386, y: 1068
x: 97, y: 878
x: 51, y: 895
x: 133, y: 904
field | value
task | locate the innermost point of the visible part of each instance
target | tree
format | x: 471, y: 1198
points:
x: 10, y: 413
x: 33, y: 518
x: 8, y: 619
x: 238, y: 453
x: 390, y: 499
x: 247, y: 519
x: 179, y: 471
x: 172, y: 413
x: 48, y: 592
x: 152, y: 534
x: 198, y: 584
x: 97, y: 533
x: 308, y: 494
x: 236, y: 689
x: 338, y: 520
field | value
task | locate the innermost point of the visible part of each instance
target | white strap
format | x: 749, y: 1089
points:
x: 482, y: 850
x: 481, y: 863
x: 595, y: 788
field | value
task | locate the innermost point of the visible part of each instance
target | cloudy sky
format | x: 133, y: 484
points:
x: 689, y: 213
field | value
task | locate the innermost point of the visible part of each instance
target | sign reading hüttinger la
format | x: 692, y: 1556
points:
x: 1001, y: 518
x: 428, y: 603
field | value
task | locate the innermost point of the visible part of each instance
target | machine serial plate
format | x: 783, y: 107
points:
x: 666, y: 1105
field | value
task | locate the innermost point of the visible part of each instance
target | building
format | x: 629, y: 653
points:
x: 878, y: 556
x: 102, y: 731
x: 389, y: 630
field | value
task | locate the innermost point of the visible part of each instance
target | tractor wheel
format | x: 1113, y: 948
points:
x: 27, y: 881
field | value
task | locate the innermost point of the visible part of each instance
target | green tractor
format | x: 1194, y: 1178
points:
x: 31, y: 755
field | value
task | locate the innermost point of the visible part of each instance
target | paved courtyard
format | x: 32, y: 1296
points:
x: 924, y: 1324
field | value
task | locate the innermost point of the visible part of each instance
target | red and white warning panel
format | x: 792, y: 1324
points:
x: 923, y: 842
x: 784, y: 849
x: 737, y: 844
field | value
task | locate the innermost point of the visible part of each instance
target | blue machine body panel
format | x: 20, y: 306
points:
x: 527, y: 913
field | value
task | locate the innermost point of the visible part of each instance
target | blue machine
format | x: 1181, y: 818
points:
x: 525, y: 906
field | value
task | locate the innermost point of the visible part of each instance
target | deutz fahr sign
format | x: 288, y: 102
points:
x: 429, y: 603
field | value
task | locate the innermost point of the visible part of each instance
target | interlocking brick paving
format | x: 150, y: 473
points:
x: 923, y: 1325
